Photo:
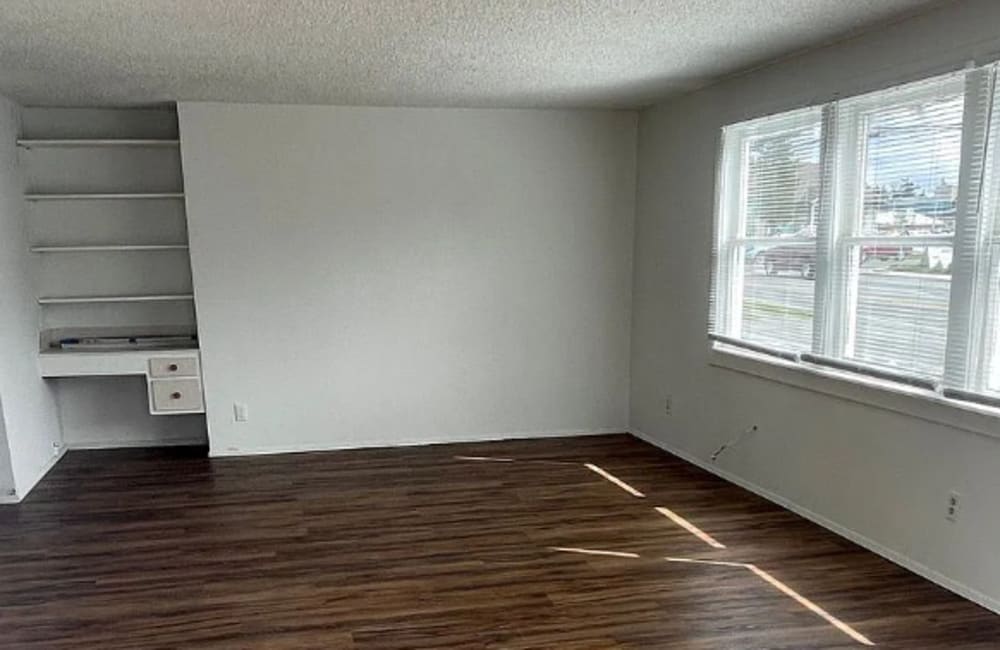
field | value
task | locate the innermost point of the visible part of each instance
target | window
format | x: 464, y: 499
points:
x: 770, y: 239
x: 864, y: 234
x: 898, y: 155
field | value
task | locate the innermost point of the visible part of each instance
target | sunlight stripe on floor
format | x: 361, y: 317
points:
x: 739, y: 565
x: 691, y: 528
x: 786, y: 590
x: 614, y: 479
x: 592, y: 551
x: 811, y: 606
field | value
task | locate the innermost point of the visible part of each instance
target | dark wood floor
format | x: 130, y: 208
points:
x: 417, y: 548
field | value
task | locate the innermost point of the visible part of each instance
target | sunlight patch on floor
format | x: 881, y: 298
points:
x: 592, y: 551
x: 786, y: 590
x: 700, y: 534
x: 691, y: 528
x: 614, y: 479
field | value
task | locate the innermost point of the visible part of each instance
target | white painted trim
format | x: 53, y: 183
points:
x: 42, y: 471
x: 108, y: 248
x: 875, y: 547
x: 64, y: 143
x: 79, y: 300
x: 133, y: 444
x: 488, y: 437
x: 105, y: 196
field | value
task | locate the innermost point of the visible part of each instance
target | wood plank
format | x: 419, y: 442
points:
x: 446, y: 546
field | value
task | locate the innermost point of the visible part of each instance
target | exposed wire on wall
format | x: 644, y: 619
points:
x: 735, y: 441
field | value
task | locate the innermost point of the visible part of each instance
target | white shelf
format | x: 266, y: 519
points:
x: 106, y: 196
x: 84, y: 142
x: 75, y: 300
x: 109, y: 248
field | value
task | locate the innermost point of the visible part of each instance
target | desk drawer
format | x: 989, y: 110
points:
x: 173, y: 367
x: 168, y: 395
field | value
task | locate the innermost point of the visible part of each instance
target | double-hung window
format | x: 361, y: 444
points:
x: 863, y: 235
x: 771, y: 198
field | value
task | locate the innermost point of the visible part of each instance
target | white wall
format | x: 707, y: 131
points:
x: 379, y: 276
x: 29, y: 409
x: 8, y: 492
x: 875, y: 474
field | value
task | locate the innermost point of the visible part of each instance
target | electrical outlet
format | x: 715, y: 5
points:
x: 668, y: 405
x: 954, y: 506
x: 240, y: 413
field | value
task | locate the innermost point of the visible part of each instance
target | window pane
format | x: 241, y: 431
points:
x: 771, y: 190
x: 887, y: 227
x: 993, y: 377
x: 911, y: 162
x: 895, y: 292
x: 777, y: 299
x: 782, y: 180
x: 984, y: 252
x: 991, y: 336
x: 901, y: 317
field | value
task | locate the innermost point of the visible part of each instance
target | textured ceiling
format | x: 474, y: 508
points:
x: 566, y: 53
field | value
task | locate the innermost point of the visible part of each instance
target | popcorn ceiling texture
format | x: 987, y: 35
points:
x: 503, y: 53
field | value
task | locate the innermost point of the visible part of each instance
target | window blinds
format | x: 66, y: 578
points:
x: 974, y: 347
x: 769, y: 249
x: 865, y: 234
x: 898, y: 158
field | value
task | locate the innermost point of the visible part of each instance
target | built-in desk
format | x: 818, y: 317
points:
x: 173, y: 376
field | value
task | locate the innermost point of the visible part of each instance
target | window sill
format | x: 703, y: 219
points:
x: 887, y: 395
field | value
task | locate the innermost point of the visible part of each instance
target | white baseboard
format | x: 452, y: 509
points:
x: 416, y: 442
x: 893, y: 556
x: 133, y: 443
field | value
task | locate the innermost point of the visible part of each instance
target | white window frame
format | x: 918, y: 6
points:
x: 849, y: 125
x: 976, y: 259
x: 973, y: 263
x: 731, y: 227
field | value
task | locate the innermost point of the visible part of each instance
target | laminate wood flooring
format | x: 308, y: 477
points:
x: 570, y: 543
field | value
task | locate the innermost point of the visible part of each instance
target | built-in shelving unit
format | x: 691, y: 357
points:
x: 107, y: 227
x: 64, y: 143
x: 107, y: 230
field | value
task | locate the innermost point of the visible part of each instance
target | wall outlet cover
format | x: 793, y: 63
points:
x: 954, y: 506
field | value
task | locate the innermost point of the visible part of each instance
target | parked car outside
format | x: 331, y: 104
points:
x: 884, y: 252
x: 797, y: 258
x: 801, y: 258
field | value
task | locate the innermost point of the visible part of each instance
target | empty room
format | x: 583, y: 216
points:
x: 499, y: 324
